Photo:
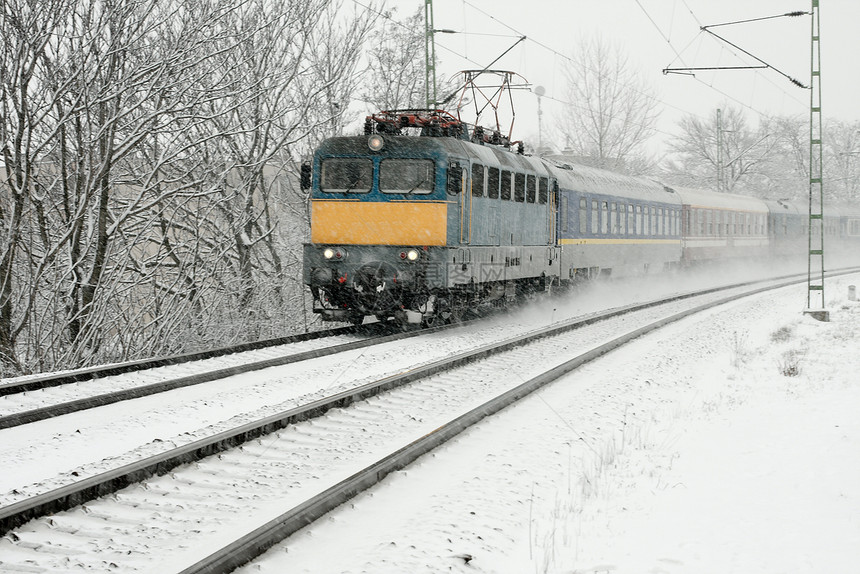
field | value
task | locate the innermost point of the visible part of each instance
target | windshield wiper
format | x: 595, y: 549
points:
x: 416, y: 186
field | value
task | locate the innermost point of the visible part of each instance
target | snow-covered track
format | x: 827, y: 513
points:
x: 34, y: 383
x: 111, y: 513
x: 255, y: 543
x: 368, y: 335
x: 111, y: 481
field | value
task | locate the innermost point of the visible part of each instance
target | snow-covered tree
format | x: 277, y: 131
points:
x: 611, y: 110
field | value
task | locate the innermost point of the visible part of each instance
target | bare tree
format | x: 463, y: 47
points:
x: 697, y: 159
x: 396, y: 63
x: 842, y: 161
x: 148, y: 148
x: 610, y: 112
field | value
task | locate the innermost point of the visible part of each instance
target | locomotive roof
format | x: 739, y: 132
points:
x: 454, y: 148
x: 712, y: 200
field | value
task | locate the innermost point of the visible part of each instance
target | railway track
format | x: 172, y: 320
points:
x: 38, y: 382
x: 162, y: 375
x: 488, y: 371
x: 111, y: 384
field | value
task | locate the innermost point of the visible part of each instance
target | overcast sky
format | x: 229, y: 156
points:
x: 654, y: 33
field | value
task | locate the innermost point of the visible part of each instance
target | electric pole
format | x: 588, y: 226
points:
x: 815, y: 267
x: 719, y: 150
x: 429, y: 56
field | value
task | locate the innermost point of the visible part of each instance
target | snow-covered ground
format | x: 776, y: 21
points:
x: 728, y: 442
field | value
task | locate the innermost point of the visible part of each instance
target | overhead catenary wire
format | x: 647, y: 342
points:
x: 764, y: 64
x: 561, y: 54
x: 565, y: 57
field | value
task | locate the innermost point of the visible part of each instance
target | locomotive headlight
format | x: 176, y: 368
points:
x: 411, y: 255
x: 337, y: 253
x: 375, y: 142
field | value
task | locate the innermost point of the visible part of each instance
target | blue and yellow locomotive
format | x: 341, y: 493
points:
x: 427, y: 227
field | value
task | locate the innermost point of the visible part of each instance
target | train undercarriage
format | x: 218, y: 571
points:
x: 379, y: 295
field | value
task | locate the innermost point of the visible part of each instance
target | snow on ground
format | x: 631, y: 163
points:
x: 727, y: 442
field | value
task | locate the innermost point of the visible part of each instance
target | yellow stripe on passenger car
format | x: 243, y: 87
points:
x: 620, y: 241
x: 379, y: 223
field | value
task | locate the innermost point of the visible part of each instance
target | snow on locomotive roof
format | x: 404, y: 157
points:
x: 699, y: 198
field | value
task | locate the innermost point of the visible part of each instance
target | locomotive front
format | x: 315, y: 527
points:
x: 378, y: 209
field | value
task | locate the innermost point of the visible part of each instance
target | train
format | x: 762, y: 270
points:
x: 424, y: 219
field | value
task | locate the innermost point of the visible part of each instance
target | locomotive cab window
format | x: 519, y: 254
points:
x: 346, y: 175
x: 530, y: 189
x: 407, y: 176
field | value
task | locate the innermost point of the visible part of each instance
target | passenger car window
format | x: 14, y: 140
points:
x: 346, y: 175
x: 604, y: 217
x: 583, y: 215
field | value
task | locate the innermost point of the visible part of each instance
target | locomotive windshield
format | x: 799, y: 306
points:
x: 346, y: 175
x: 407, y: 176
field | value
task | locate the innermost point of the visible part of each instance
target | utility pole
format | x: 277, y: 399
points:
x: 815, y: 268
x: 719, y: 150
x: 539, y: 92
x: 429, y: 56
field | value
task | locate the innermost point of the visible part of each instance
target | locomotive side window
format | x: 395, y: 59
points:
x: 519, y: 187
x: 543, y: 187
x: 477, y: 180
x: 531, y: 192
x: 506, y: 185
x: 346, y: 175
x: 493, y: 182
x: 407, y: 176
